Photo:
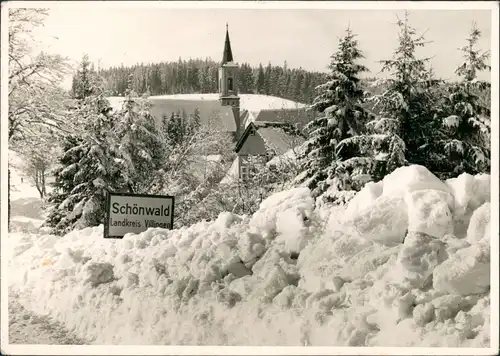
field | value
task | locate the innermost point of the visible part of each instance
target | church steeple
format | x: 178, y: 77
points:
x: 228, y: 90
x: 228, y: 54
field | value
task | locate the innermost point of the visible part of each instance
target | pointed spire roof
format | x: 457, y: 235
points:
x: 228, y: 54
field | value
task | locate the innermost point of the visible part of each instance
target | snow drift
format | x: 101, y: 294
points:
x: 406, y: 263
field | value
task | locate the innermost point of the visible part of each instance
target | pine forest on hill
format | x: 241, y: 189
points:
x: 201, y: 76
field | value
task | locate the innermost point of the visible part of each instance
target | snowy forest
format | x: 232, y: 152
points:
x: 201, y: 76
x: 73, y: 143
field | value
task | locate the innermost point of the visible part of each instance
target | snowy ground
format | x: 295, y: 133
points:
x: 250, y: 102
x: 26, y: 206
x: 26, y: 327
x: 27, y: 215
x: 406, y: 264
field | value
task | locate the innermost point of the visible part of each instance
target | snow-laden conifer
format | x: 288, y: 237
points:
x: 409, y: 98
x: 465, y: 131
x: 89, y: 168
x: 342, y: 153
x: 140, y: 143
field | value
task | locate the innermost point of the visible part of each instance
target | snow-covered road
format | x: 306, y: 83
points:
x: 27, y: 328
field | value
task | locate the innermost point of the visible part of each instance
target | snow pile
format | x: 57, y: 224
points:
x: 395, y: 268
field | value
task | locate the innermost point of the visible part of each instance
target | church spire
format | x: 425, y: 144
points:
x: 228, y: 54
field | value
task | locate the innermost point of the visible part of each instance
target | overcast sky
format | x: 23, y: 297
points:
x: 304, y: 38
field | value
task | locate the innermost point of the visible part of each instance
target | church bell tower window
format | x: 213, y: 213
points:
x: 230, y: 84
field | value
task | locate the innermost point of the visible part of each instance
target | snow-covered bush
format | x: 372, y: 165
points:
x: 242, y: 197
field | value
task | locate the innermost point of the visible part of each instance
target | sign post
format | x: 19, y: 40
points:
x: 135, y: 213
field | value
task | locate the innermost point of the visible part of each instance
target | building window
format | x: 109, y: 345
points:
x: 244, y: 168
x: 230, y: 84
x: 244, y: 172
x: 220, y: 85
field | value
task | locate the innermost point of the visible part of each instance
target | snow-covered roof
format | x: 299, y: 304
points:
x: 279, y: 140
x: 299, y: 116
x: 275, y: 136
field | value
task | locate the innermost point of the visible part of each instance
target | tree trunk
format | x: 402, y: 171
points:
x: 44, y: 191
x: 37, y: 183
x: 8, y: 199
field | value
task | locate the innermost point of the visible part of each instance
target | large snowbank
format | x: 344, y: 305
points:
x: 395, y: 268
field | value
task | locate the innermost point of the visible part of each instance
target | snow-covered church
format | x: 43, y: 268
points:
x: 234, y: 111
x: 253, y: 119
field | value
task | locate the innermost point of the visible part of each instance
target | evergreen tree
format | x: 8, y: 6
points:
x: 64, y: 183
x: 247, y: 79
x: 260, y: 80
x: 267, y: 79
x: 97, y: 171
x: 84, y: 82
x: 409, y: 101
x: 464, y: 142
x: 340, y: 152
x: 196, y: 120
x: 90, y: 168
x: 297, y: 95
x: 140, y: 143
x: 174, y: 130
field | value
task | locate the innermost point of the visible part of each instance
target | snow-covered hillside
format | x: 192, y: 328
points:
x: 407, y: 263
x: 250, y: 102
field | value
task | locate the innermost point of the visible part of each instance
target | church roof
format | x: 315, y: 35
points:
x: 227, y: 56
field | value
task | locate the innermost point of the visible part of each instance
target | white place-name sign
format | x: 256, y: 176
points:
x: 135, y: 213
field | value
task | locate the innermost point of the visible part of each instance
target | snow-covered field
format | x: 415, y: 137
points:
x: 407, y: 263
x: 250, y: 102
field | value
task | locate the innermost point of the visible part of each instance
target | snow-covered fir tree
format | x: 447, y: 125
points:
x: 409, y: 102
x: 85, y: 81
x: 174, y: 129
x: 464, y: 143
x: 140, y: 142
x: 95, y: 168
x: 340, y: 153
x: 90, y: 165
x: 73, y: 152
